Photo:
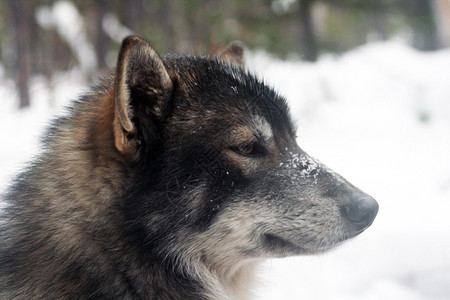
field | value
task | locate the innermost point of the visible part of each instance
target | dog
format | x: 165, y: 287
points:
x: 172, y: 179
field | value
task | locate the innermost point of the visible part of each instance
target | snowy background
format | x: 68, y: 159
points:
x: 380, y: 116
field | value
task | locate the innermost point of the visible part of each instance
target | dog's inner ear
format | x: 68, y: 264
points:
x: 234, y: 53
x: 142, y: 86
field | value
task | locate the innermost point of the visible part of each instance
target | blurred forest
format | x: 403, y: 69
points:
x: 44, y: 37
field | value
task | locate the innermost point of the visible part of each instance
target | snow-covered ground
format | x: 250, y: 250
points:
x: 380, y: 116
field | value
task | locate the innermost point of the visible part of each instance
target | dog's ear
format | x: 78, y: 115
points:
x: 142, y: 87
x: 234, y: 53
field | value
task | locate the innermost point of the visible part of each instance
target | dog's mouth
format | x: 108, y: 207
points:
x: 274, y: 242
x: 282, y: 246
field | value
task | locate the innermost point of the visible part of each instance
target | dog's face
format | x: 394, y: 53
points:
x: 224, y: 180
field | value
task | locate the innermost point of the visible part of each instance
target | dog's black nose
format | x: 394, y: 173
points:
x: 361, y: 211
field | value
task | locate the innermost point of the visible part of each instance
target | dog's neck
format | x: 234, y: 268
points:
x: 198, y: 284
x: 235, y: 284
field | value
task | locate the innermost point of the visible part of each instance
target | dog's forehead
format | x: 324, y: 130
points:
x: 232, y: 92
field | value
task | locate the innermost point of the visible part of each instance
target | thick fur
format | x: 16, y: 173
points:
x: 171, y: 180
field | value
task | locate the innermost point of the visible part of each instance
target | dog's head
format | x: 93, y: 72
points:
x: 219, y: 175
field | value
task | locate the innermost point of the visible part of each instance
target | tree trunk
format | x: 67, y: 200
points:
x: 101, y: 39
x: 309, y: 38
x: 134, y: 14
x: 424, y: 29
x: 20, y: 16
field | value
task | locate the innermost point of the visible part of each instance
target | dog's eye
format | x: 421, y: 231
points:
x: 252, y: 149
x: 247, y: 149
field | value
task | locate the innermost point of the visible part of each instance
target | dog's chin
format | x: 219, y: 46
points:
x: 282, y: 247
